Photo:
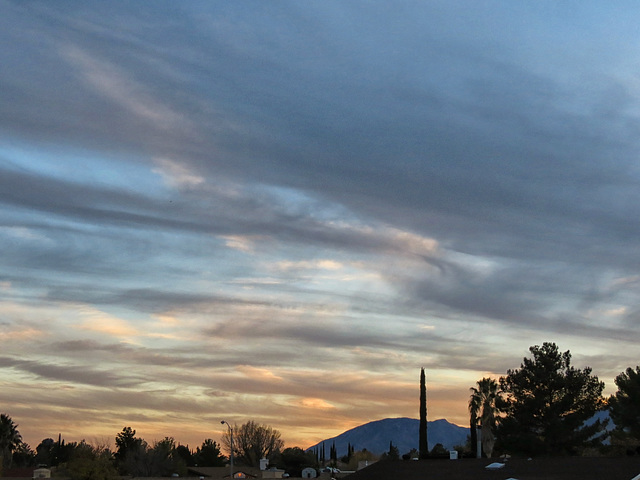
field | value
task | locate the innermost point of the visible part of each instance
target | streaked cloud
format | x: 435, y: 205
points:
x: 280, y: 212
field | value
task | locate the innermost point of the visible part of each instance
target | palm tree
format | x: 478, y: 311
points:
x: 10, y: 438
x: 482, y: 405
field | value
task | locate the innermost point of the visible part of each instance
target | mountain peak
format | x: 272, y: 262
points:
x: 403, y: 432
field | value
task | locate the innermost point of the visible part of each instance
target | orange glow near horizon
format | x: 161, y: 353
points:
x: 192, y: 431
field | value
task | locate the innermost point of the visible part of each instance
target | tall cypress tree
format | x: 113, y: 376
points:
x: 473, y: 432
x: 423, y: 447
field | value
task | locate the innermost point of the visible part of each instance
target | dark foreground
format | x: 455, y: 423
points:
x: 553, y: 468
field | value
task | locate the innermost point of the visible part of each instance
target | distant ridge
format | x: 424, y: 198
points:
x: 403, y: 432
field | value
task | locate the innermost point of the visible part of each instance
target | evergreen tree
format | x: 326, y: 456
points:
x: 131, y: 454
x: 624, y: 405
x: 422, y: 435
x: 474, y: 409
x: 394, y: 453
x: 127, y: 445
x: 473, y: 432
x: 546, y: 403
x: 184, y: 453
x: 208, y: 455
x: 333, y: 453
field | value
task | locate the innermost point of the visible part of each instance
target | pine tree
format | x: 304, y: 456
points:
x: 625, y: 404
x: 423, y: 445
x: 546, y: 403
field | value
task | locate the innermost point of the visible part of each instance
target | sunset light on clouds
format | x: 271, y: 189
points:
x: 281, y: 211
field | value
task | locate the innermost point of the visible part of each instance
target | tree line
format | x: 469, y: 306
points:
x: 81, y: 460
x: 547, y: 407
x: 133, y: 456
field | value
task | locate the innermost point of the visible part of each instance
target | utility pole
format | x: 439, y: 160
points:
x: 231, y: 445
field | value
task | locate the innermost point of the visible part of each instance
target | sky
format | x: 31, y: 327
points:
x: 281, y: 211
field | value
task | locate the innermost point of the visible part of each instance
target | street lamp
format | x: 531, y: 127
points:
x: 231, y: 445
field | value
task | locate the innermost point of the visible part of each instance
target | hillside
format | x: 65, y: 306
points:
x: 403, y: 432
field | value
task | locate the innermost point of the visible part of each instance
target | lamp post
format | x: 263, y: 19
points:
x: 231, y: 445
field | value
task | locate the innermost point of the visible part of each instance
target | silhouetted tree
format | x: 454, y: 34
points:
x: 361, y: 456
x: 473, y: 433
x: 208, y: 455
x: 347, y: 458
x: 294, y: 459
x: 333, y: 453
x: 126, y: 445
x: 546, y: 403
x: 24, y: 456
x: 624, y: 405
x: 87, y: 462
x: 251, y: 442
x: 63, y: 451
x: 482, y: 405
x: 10, y: 439
x: 44, y: 452
x: 182, y: 452
x: 438, y: 450
x: 132, y: 454
x: 423, y: 445
x: 393, y: 453
x: 164, y: 460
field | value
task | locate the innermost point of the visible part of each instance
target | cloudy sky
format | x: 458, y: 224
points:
x: 280, y: 211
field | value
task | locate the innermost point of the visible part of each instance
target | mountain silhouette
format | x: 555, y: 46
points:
x: 403, y: 432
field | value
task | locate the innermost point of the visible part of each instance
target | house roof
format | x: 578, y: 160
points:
x: 550, y: 468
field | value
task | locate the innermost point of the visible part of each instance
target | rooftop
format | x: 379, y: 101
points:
x: 548, y: 468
